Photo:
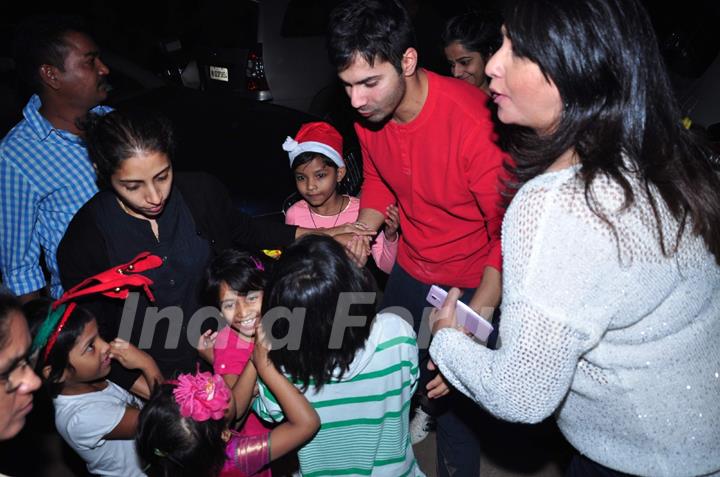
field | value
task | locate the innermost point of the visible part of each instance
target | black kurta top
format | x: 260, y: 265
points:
x: 199, y: 221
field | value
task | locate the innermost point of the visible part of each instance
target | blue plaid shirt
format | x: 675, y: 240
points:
x: 45, y: 177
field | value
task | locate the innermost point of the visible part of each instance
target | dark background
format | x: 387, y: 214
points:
x: 689, y: 31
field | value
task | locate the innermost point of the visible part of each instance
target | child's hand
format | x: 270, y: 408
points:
x: 128, y: 355
x: 205, y: 345
x: 392, y: 222
x: 358, y: 249
x: 437, y: 387
x: 262, y: 346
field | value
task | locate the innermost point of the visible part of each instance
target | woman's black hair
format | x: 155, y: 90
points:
x: 8, y: 304
x: 124, y: 133
x: 620, y: 114
x: 170, y: 445
x: 315, y: 274
x: 36, y: 312
x: 475, y: 31
x: 241, y: 271
x: 307, y: 156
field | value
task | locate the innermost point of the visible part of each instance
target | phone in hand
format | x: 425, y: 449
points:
x: 466, y: 316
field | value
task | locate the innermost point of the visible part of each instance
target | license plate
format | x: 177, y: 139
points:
x: 218, y: 73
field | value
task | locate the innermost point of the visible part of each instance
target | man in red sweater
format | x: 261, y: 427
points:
x: 428, y: 144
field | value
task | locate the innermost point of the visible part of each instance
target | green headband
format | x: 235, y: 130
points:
x: 47, y: 328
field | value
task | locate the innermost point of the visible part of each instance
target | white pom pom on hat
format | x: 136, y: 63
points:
x: 317, y: 137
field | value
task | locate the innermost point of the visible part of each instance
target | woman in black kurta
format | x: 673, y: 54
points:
x: 185, y: 218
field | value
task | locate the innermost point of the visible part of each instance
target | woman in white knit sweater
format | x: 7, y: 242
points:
x: 611, y: 301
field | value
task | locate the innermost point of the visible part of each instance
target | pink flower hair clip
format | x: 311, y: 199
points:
x: 201, y: 396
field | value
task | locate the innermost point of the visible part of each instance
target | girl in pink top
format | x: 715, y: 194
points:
x: 318, y: 168
x: 234, y: 282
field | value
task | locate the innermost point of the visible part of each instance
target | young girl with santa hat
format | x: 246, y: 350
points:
x: 319, y: 169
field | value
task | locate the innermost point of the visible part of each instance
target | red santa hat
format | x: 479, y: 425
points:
x: 317, y: 137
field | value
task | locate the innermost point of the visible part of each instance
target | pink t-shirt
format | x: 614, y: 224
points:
x: 383, y: 250
x: 232, y: 353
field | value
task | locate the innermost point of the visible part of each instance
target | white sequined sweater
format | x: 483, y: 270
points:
x: 598, y: 326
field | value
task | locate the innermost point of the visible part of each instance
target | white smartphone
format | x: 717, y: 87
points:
x: 466, y: 316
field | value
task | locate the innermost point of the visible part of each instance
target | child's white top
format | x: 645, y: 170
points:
x: 84, y: 419
x: 597, y: 325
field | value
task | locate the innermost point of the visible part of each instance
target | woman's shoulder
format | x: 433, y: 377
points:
x: 553, y: 201
x: 560, y: 185
x: 96, y: 204
x: 84, y: 223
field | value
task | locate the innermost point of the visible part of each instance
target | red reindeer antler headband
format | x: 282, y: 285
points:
x: 115, y: 283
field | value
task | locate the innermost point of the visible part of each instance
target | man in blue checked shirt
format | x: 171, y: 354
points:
x: 45, y: 173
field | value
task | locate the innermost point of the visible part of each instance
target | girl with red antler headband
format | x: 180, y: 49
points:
x: 97, y: 418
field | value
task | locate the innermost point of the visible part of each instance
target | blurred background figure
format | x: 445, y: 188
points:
x: 469, y: 40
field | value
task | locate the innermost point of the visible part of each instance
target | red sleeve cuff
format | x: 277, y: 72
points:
x: 376, y: 196
x: 494, y: 258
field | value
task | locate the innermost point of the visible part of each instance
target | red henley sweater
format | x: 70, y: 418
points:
x: 443, y: 169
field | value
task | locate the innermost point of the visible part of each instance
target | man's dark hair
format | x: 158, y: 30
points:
x: 40, y: 40
x: 312, y: 274
x: 373, y: 29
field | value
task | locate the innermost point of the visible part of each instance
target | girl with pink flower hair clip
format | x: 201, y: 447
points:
x: 183, y: 429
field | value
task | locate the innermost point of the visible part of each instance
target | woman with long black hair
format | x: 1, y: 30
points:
x: 611, y: 246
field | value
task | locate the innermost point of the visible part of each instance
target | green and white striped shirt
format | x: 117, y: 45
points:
x: 364, y: 415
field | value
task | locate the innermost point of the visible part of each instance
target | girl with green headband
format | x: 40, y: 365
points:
x: 97, y: 418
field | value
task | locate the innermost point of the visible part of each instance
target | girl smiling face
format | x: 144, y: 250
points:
x: 241, y: 310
